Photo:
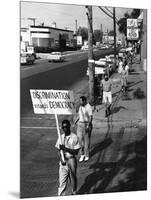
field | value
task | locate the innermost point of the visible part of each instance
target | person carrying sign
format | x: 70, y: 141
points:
x: 67, y: 170
x: 84, y: 128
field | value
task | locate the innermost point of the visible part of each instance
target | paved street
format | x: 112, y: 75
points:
x: 118, y: 147
x: 43, y: 65
x: 44, y: 75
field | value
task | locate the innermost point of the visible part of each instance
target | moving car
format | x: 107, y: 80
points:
x: 55, y: 57
x: 84, y: 47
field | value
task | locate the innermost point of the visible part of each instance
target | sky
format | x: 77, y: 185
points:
x: 64, y: 15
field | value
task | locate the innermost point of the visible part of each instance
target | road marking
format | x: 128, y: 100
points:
x: 31, y: 118
x: 40, y: 127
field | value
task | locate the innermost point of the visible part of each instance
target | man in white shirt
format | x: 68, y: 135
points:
x: 67, y: 170
x: 84, y: 128
x: 120, y: 65
x: 106, y: 85
x: 126, y: 67
x: 124, y: 76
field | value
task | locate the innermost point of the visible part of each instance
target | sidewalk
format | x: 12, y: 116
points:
x: 132, y: 110
x: 118, y: 143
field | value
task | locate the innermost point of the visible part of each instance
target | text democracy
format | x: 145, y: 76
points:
x: 56, y: 105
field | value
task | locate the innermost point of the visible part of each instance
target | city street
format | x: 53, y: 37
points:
x: 60, y: 52
x: 45, y: 75
x: 118, y: 147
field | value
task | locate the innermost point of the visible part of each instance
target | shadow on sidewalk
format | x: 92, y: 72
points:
x: 117, y: 109
x: 131, y: 84
x: 134, y: 73
x: 100, y: 146
x: 138, y: 94
x: 127, y: 173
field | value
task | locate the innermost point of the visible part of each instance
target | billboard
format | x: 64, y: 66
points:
x: 132, y: 29
x: 132, y: 34
x: 79, y: 40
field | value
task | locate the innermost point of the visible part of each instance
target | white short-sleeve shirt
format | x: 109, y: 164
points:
x: 127, y: 68
x: 120, y: 67
x: 71, y: 141
x: 85, y: 112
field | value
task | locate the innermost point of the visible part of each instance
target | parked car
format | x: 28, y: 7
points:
x: 84, y: 48
x: 100, y: 67
x: 27, y: 58
x: 55, y: 57
x: 27, y: 54
x: 122, y: 50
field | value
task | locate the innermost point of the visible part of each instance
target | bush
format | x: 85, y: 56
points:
x: 45, y: 49
x: 51, y: 49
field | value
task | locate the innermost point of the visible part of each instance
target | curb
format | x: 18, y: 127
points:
x: 104, y: 123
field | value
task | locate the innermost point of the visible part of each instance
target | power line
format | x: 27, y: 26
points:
x: 106, y: 12
x: 111, y: 16
x: 110, y: 12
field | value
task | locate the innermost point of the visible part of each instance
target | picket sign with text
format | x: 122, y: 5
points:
x: 57, y: 102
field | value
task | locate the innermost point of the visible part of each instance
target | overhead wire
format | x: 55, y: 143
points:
x: 111, y: 16
x: 105, y: 12
x: 110, y: 12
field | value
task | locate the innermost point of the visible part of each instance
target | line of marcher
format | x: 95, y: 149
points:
x: 80, y: 142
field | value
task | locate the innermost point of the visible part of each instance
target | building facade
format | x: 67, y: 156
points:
x: 42, y: 36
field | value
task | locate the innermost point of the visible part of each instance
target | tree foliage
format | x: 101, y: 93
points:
x: 98, y: 34
x: 83, y: 31
x: 111, y: 33
x: 135, y: 13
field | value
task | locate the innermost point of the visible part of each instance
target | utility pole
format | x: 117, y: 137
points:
x: 107, y: 35
x: 144, y: 41
x: 101, y: 29
x: 114, y: 24
x: 76, y: 27
x: 90, y: 55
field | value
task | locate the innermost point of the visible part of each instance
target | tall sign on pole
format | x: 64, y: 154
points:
x: 132, y: 29
x: 90, y: 54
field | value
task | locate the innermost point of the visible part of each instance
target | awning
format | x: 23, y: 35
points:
x: 140, y: 18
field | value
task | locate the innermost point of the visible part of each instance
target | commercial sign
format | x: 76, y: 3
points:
x: 79, y: 40
x: 59, y: 102
x: 132, y: 29
x: 132, y: 34
x: 131, y: 23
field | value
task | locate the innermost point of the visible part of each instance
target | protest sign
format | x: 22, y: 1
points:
x: 57, y: 102
x: 53, y: 102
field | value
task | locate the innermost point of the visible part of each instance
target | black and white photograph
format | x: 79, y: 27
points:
x: 83, y: 99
